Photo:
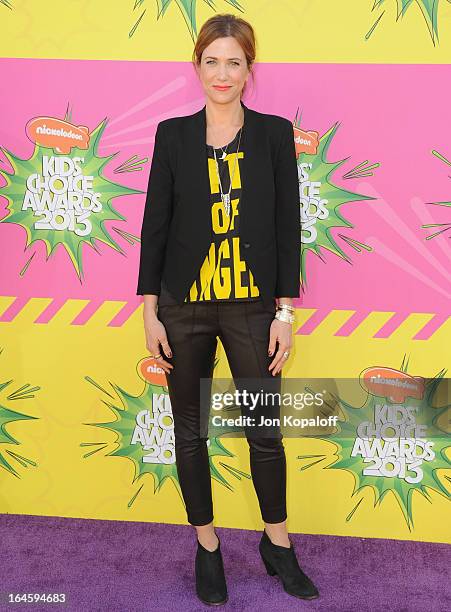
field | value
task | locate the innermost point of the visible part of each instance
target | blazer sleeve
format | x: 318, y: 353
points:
x: 288, y: 217
x: 157, y: 217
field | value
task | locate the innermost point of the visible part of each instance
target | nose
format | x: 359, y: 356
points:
x: 222, y: 72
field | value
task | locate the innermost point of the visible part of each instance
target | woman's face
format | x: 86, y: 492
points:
x: 223, y: 70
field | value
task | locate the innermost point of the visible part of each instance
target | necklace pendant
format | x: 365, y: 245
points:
x: 226, y: 202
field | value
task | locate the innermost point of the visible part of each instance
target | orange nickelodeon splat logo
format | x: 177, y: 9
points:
x: 392, y: 384
x: 57, y: 134
x: 152, y: 372
x: 305, y: 142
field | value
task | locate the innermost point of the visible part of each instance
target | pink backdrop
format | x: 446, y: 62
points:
x: 388, y: 114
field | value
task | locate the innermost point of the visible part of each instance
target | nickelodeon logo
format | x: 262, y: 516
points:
x: 305, y: 142
x: 57, y: 134
x: 152, y: 372
x: 392, y: 384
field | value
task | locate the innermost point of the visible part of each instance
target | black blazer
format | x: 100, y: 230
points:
x: 176, y: 228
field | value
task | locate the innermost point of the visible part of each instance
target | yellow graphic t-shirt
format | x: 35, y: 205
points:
x: 223, y: 275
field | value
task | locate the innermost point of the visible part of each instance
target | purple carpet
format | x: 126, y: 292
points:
x: 128, y: 566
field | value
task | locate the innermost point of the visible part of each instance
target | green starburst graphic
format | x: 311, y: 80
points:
x: 429, y: 9
x: 321, y: 200
x: 442, y: 227
x: 11, y: 416
x: 93, y: 228
x: 130, y: 412
x: 187, y: 8
x: 428, y: 477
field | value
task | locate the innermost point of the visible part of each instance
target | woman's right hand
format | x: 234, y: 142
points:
x: 156, y: 335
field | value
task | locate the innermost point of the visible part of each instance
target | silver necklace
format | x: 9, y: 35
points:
x: 225, y: 197
x: 224, y: 153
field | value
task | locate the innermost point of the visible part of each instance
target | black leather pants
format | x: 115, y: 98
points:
x: 192, y: 330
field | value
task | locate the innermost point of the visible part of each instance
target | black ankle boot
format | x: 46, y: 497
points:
x: 211, y: 585
x: 282, y: 561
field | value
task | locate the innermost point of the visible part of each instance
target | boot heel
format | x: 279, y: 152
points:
x: 269, y: 568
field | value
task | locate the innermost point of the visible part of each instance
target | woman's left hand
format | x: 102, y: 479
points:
x: 281, y: 333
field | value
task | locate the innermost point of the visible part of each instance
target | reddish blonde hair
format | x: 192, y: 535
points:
x: 222, y: 25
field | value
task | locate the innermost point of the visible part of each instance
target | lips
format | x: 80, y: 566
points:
x: 222, y: 87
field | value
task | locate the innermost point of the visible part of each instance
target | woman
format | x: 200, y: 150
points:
x: 220, y: 243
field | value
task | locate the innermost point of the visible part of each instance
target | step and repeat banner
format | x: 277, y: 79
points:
x: 85, y: 418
